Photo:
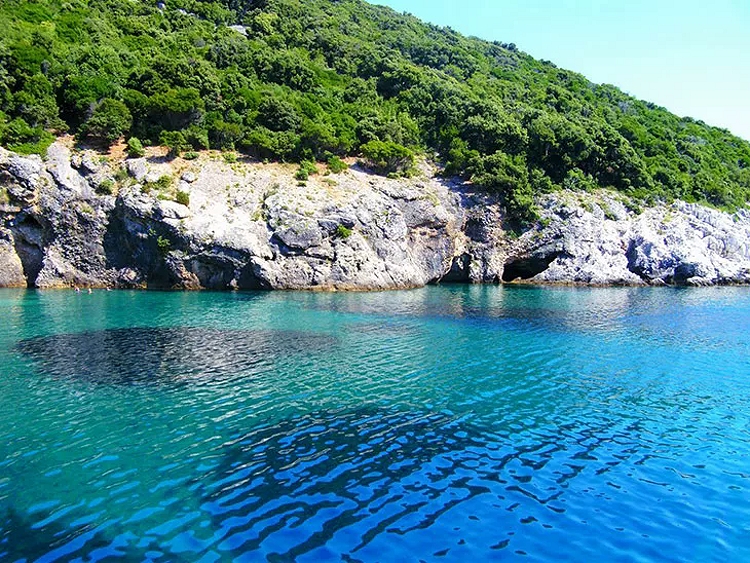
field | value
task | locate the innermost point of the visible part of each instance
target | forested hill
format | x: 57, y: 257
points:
x: 310, y: 79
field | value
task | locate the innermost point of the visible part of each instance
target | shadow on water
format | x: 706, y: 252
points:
x: 157, y: 356
x: 369, y: 473
x: 284, y: 479
x: 343, y: 462
x: 352, y: 480
x: 40, y: 537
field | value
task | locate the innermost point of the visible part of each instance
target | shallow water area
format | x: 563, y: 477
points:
x: 440, y: 424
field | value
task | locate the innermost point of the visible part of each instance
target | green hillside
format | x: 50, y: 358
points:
x: 314, y: 79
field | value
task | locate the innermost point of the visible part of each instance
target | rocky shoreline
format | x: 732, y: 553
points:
x: 78, y: 218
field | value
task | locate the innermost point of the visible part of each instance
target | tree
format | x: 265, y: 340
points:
x: 278, y: 115
x: 175, y: 141
x: 224, y: 135
x: 509, y: 177
x: 387, y: 157
x: 19, y: 136
x: 493, y: 130
x: 176, y: 108
x: 109, y: 121
x: 317, y: 78
x: 36, y: 103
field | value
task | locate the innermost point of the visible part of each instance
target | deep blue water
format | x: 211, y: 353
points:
x: 444, y: 424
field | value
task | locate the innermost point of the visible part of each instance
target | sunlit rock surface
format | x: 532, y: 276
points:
x: 77, y: 219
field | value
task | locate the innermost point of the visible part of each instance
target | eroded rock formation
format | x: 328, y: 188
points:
x: 250, y: 225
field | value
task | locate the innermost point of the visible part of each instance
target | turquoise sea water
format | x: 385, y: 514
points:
x: 443, y: 424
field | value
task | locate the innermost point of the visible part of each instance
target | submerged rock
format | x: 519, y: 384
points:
x: 249, y: 226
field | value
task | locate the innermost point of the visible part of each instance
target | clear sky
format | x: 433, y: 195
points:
x: 690, y: 56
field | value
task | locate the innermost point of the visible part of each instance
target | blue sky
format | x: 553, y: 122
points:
x: 690, y: 56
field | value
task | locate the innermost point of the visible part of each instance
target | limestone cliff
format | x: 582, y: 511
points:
x: 77, y: 218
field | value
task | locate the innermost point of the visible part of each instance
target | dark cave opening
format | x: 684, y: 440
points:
x: 28, y: 236
x: 527, y: 268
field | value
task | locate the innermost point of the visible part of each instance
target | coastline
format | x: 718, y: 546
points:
x: 81, y: 218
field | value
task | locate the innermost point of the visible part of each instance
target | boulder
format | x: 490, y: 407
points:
x: 189, y: 177
x: 300, y: 236
x: 137, y: 168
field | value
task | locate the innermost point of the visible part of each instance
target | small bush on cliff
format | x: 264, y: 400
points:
x: 336, y: 165
x: 183, y: 198
x: 22, y: 138
x: 105, y: 187
x: 121, y: 175
x: 387, y: 157
x: 135, y: 148
x: 163, y: 244
x: 508, y: 176
x: 343, y: 232
x: 306, y: 169
x: 163, y: 183
x: 174, y: 141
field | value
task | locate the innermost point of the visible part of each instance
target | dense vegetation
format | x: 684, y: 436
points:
x: 317, y: 79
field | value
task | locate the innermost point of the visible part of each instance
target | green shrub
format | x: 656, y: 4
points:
x: 135, y: 148
x: 230, y: 157
x: 164, y: 182
x: 540, y: 182
x: 343, y: 232
x: 578, y: 181
x: 196, y: 137
x: 106, y: 187
x: 336, y: 165
x: 22, y: 138
x: 306, y: 169
x: 121, y: 174
x: 175, y: 141
x: 163, y: 244
x: 190, y: 155
x: 109, y: 121
x: 223, y: 135
x: 387, y: 157
x: 183, y: 198
x: 508, y: 176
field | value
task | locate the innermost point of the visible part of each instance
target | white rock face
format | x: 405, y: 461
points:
x: 681, y: 244
x: 249, y: 225
x: 11, y: 268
